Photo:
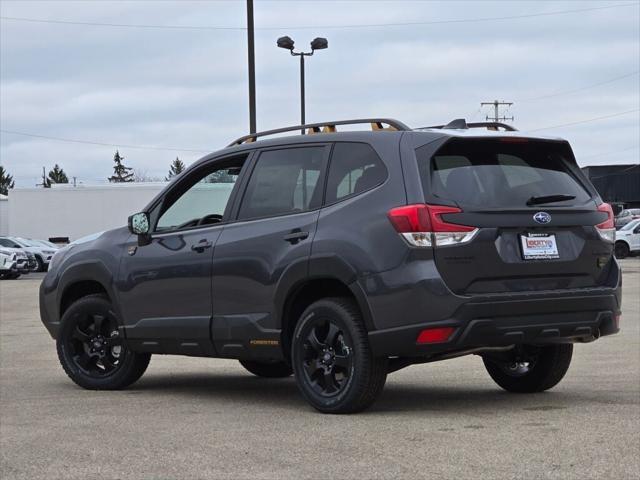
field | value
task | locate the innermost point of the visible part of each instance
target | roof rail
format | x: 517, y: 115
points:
x: 326, y: 127
x: 461, y: 124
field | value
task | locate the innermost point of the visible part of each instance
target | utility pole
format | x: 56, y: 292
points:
x: 44, y: 180
x: 496, y: 105
x: 252, y: 68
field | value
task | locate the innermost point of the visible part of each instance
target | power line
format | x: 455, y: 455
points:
x: 566, y: 92
x: 585, y: 121
x: 104, y: 144
x: 312, y: 27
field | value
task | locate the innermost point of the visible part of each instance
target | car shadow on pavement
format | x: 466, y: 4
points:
x: 283, y: 393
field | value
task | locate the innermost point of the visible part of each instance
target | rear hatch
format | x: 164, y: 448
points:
x: 536, y: 220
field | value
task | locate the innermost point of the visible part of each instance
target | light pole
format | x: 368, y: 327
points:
x: 317, y: 44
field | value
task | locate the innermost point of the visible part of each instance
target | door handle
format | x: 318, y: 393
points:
x: 201, y: 246
x: 295, y: 236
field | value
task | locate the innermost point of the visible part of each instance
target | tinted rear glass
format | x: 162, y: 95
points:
x: 355, y: 168
x: 493, y: 173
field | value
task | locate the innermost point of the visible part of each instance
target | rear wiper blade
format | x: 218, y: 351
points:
x: 549, y: 199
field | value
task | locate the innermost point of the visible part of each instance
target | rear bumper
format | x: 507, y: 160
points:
x: 493, y: 320
x: 492, y: 323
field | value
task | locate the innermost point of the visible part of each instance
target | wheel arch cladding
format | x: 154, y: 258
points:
x: 305, y: 293
x: 81, y: 280
x: 79, y: 289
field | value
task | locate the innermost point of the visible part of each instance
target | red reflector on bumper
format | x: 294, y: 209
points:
x: 435, y: 335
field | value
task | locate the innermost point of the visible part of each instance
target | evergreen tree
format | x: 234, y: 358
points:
x: 120, y: 172
x: 221, y: 176
x: 177, y: 167
x: 6, y: 181
x: 57, y: 175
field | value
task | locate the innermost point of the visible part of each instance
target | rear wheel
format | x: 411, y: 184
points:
x: 538, y: 369
x: 621, y: 250
x: 267, y: 369
x: 332, y: 361
x: 91, y: 350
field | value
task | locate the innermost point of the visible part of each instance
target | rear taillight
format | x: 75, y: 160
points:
x: 423, y: 226
x: 607, y: 229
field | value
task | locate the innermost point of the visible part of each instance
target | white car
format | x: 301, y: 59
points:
x: 42, y: 253
x: 628, y: 239
x: 7, y: 261
x: 13, y: 262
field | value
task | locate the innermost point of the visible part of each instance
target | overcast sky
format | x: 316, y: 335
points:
x: 186, y: 89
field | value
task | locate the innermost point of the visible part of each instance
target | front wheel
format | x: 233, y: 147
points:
x: 91, y: 350
x: 621, y: 250
x: 40, y: 266
x: 538, y: 369
x: 267, y: 369
x: 332, y: 361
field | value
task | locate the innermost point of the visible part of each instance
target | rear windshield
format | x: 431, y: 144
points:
x: 497, y: 173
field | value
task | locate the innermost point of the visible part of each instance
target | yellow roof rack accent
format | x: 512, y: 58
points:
x: 377, y: 124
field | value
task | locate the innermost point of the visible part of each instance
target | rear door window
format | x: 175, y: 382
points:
x: 500, y: 174
x: 354, y: 168
x: 284, y: 181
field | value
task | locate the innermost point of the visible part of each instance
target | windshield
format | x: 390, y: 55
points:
x: 499, y: 173
x: 631, y: 225
x: 27, y: 243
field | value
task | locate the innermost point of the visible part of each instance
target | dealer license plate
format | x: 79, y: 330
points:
x: 539, y: 246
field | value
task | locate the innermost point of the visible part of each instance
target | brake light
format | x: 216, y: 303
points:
x: 607, y: 229
x: 435, y: 335
x: 423, y: 226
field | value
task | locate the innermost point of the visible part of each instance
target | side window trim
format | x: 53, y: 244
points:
x: 157, y: 209
x: 242, y: 190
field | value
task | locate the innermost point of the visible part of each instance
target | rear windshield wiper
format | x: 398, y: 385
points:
x: 549, y: 199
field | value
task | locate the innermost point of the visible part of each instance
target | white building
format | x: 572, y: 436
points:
x: 65, y: 211
x: 73, y: 212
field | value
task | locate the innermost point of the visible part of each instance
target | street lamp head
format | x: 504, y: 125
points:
x: 319, y: 43
x: 285, y: 42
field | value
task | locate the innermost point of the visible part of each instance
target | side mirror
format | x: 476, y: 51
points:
x: 139, y: 223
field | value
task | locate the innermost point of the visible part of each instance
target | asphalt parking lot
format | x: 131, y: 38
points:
x: 196, y: 418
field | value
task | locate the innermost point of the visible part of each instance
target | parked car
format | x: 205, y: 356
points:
x: 44, y: 243
x: 628, y: 239
x: 13, y: 262
x: 7, y: 261
x: 40, y: 255
x: 341, y: 257
x: 626, y: 216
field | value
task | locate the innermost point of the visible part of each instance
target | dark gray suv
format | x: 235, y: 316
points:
x: 343, y: 256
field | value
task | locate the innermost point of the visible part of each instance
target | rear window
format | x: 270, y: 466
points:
x: 495, y: 173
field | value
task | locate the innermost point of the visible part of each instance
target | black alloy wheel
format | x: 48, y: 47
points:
x: 332, y: 361
x: 533, y: 369
x: 327, y: 357
x: 91, y: 348
x: 95, y: 345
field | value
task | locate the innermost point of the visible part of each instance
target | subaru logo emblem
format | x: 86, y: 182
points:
x: 542, y: 217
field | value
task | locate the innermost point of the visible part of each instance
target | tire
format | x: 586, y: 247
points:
x: 88, y: 323
x: 547, y: 367
x: 621, y: 250
x: 40, y: 264
x: 268, y: 369
x: 332, y: 360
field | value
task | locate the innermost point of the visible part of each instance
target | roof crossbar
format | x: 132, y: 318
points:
x: 461, y: 124
x: 377, y: 124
